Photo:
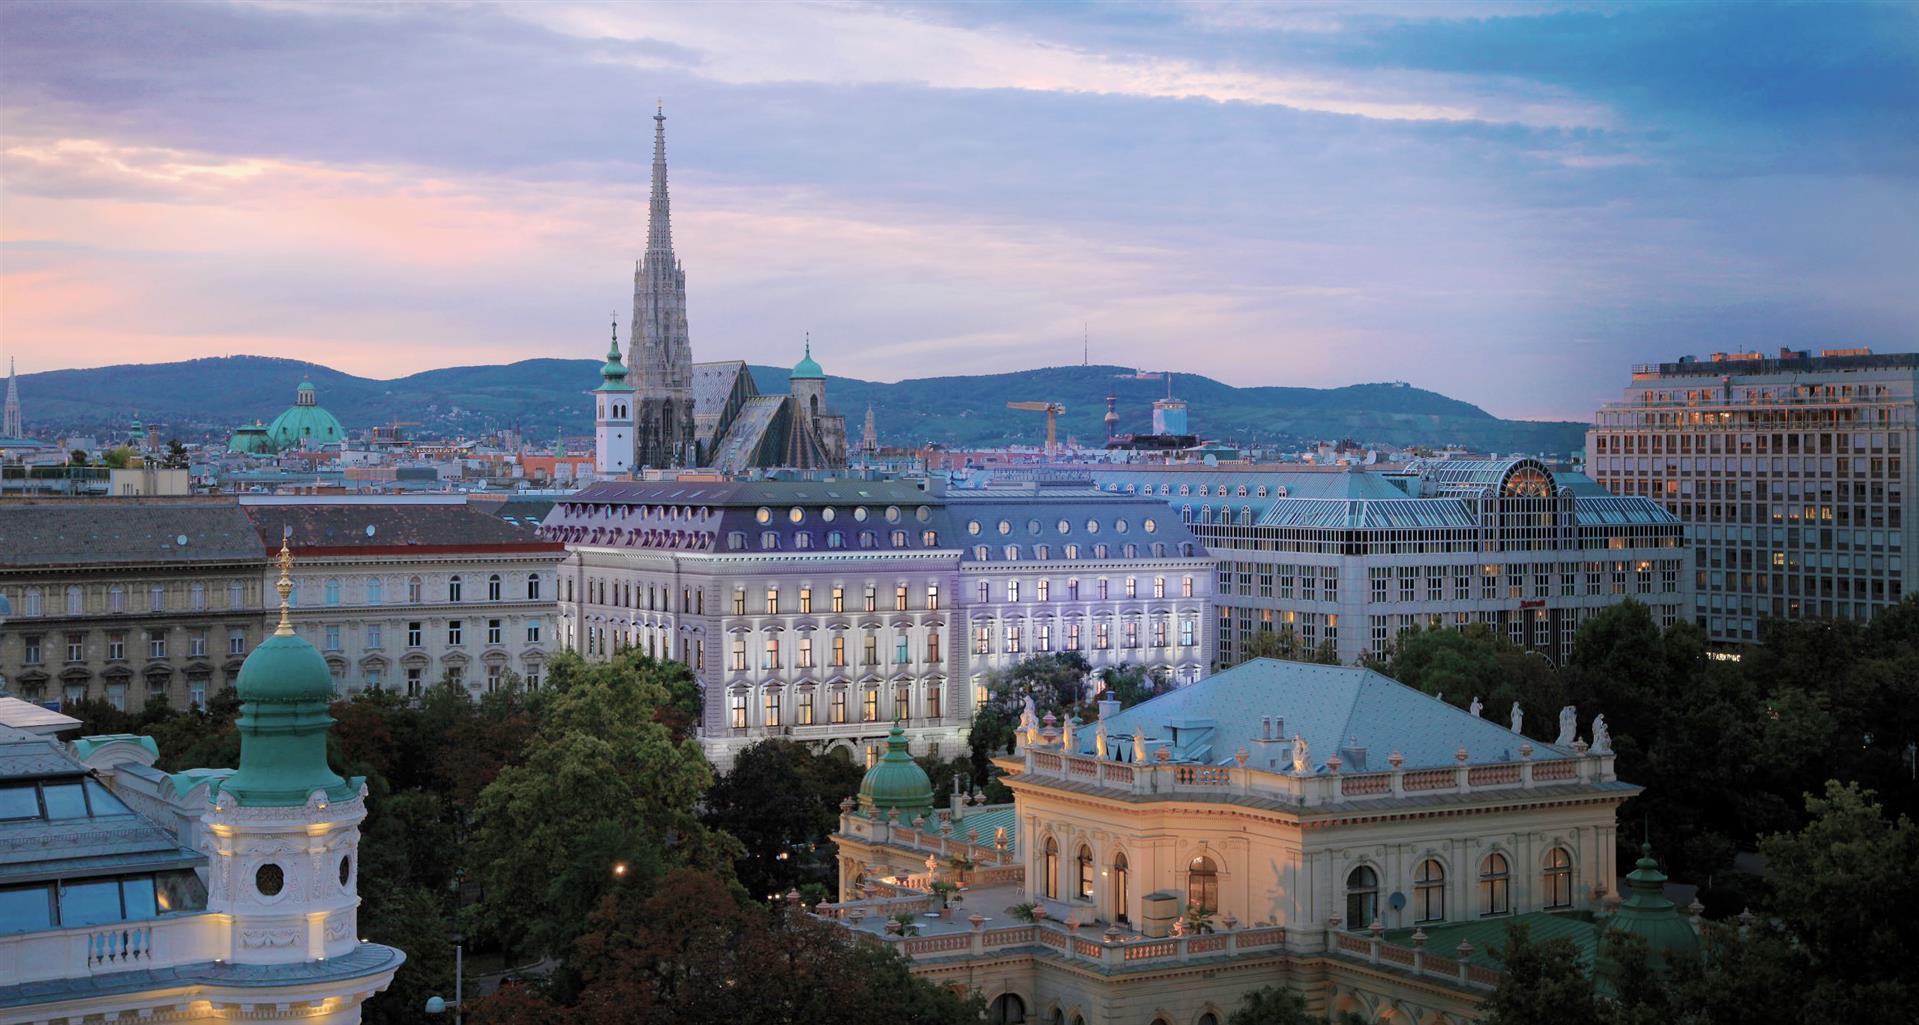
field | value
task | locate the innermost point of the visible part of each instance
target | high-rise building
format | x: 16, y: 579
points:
x: 1790, y: 472
x: 661, y: 353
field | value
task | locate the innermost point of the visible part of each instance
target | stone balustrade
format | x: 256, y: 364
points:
x: 93, y: 950
x: 1324, y: 788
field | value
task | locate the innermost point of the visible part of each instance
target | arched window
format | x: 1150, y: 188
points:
x: 1202, y: 884
x: 1120, y: 895
x: 533, y: 587
x: 1559, y: 878
x: 333, y: 591
x: 493, y: 587
x: 1049, y: 870
x: 1209, y: 1018
x: 1006, y: 1009
x: 375, y: 591
x: 76, y: 601
x: 1495, y: 882
x: 1362, y: 897
x: 1429, y: 892
x: 1085, y: 865
x: 453, y: 588
x: 413, y: 590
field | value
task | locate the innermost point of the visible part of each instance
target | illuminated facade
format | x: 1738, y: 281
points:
x: 1346, y: 558
x: 1790, y: 472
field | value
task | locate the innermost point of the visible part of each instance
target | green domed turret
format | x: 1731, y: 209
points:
x: 806, y: 369
x: 896, y: 781
x: 613, y: 372
x: 1646, y: 913
x: 285, y: 689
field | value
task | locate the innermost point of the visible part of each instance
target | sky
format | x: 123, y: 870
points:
x: 1508, y: 204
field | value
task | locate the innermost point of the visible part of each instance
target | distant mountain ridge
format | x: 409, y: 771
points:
x: 206, y: 398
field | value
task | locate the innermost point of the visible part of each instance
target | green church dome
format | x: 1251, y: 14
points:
x: 251, y: 439
x: 305, y: 424
x: 806, y: 369
x: 285, y: 690
x: 613, y: 372
x: 896, y: 781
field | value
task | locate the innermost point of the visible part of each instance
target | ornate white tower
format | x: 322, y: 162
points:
x: 283, y: 832
x: 613, y: 415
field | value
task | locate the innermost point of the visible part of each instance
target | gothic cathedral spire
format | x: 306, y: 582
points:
x: 10, y: 427
x: 661, y: 355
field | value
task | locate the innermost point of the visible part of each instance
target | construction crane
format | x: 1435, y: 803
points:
x: 1052, y: 411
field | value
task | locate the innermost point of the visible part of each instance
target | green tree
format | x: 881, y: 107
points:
x: 1542, y: 982
x: 77, y: 457
x: 176, y: 457
x: 1277, y: 1005
x: 781, y: 801
x: 415, y: 920
x: 117, y: 458
x: 1282, y: 643
x: 1476, y: 662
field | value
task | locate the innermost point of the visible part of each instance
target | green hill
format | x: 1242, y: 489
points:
x: 206, y: 398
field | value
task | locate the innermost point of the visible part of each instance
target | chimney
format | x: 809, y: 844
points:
x: 1265, y: 727
x: 1108, y: 707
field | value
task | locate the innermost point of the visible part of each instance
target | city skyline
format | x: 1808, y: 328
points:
x: 1324, y: 194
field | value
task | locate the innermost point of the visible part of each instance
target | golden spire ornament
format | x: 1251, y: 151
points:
x: 285, y: 587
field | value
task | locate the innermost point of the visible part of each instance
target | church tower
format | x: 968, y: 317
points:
x: 870, y: 437
x: 10, y: 426
x: 661, y: 354
x: 283, y: 832
x: 613, y: 415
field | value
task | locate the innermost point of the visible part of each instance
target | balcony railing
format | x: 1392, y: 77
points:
x: 85, y: 951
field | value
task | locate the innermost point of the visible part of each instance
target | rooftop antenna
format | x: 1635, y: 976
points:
x: 1086, y: 345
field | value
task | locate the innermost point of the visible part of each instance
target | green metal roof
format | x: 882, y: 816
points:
x: 285, y: 689
x: 896, y: 781
x: 806, y: 369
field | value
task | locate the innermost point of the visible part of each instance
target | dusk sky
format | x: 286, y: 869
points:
x: 1507, y: 204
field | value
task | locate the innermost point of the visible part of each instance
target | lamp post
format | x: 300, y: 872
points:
x: 438, y: 1005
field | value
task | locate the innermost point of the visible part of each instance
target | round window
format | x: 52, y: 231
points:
x: 765, y: 515
x: 1005, y: 527
x: 1065, y: 527
x: 796, y: 514
x: 269, y: 880
x: 1119, y: 525
x: 922, y: 514
x: 346, y: 868
x: 1032, y: 527
x: 1148, y: 525
x: 892, y: 514
x: 827, y: 514
x: 972, y: 527
x: 859, y: 513
x: 1092, y: 526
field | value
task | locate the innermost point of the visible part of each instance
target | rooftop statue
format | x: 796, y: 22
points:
x: 1139, y: 746
x: 1099, y: 739
x: 1602, y: 737
x: 1475, y: 707
x: 1301, y: 762
x: 1568, y: 726
x: 1519, y: 717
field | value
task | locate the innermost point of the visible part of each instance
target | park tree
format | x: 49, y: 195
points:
x: 175, y: 457
x: 1278, y: 1005
x: 1541, y: 982
x: 1476, y: 662
x: 781, y: 801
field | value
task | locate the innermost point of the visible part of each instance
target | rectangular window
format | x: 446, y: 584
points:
x: 806, y: 708
x: 77, y: 648
x: 985, y: 592
x: 156, y: 599
x: 117, y: 645
x: 806, y: 653
x: 1159, y: 633
x: 870, y: 706
x: 1102, y: 636
x: 806, y: 600
x: 1039, y: 589
x: 772, y: 709
x: 739, y: 711
x: 901, y: 654
x: 872, y: 598
x: 739, y: 654
x: 1043, y: 637
x: 1013, y: 640
x: 932, y: 597
x: 839, y: 653
x: 1132, y: 633
x: 453, y: 632
x: 932, y: 647
x: 739, y: 602
x: 982, y: 640
x: 414, y: 634
x: 533, y: 632
x: 374, y: 635
x: 839, y: 707
x: 495, y: 631
x: 932, y: 701
x: 332, y: 634
x: 156, y: 644
x: 1072, y: 637
x: 1072, y: 590
x: 236, y: 642
x: 899, y: 598
x: 772, y: 601
x: 771, y: 659
x: 1012, y: 590
x: 31, y: 653
x: 1103, y: 595
x: 1188, y: 628
x: 902, y: 701
x: 872, y: 653
x: 197, y: 642
x: 839, y: 599
x: 1132, y: 587
x: 1159, y: 587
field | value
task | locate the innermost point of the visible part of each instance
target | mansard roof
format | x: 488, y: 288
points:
x: 108, y: 531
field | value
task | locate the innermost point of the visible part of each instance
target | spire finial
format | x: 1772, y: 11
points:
x: 285, y: 587
x: 809, y: 345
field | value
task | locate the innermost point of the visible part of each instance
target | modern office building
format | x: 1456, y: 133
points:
x: 1790, y: 471
x: 125, y: 600
x: 826, y: 611
x: 403, y: 591
x: 1322, y: 828
x: 1346, y: 558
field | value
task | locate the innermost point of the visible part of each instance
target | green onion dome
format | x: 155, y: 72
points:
x: 806, y: 369
x: 1647, y: 913
x: 896, y: 781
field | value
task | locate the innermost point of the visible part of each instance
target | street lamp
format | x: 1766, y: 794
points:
x: 437, y: 1004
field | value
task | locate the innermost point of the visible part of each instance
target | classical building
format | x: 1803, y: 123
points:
x: 1348, y: 558
x: 401, y: 592
x: 211, y: 895
x: 1791, y: 473
x: 1055, y: 566
x: 827, y: 610
x: 124, y: 600
x: 1318, y: 827
x: 686, y: 414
